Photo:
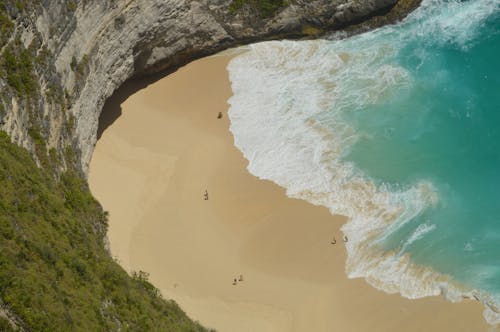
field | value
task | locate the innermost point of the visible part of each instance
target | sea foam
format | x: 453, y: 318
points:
x: 288, y: 117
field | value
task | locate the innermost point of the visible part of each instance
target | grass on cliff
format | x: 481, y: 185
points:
x: 55, y: 274
x: 266, y: 8
x: 17, y: 66
x: 6, y: 26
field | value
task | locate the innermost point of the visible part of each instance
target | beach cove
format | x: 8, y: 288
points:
x: 150, y: 170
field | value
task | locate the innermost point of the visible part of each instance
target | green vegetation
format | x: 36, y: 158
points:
x: 55, y: 274
x: 43, y: 56
x: 266, y: 8
x: 20, y: 5
x: 74, y: 63
x: 79, y: 67
x: 8, y: 9
x: 6, y: 25
x: 5, y: 325
x: 17, y: 66
x: 40, y: 145
x: 71, y: 6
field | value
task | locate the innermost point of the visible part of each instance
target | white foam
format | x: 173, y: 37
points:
x: 278, y: 116
x: 454, y: 21
x: 287, y: 119
x: 417, y: 234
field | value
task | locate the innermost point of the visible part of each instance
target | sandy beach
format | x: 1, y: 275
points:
x: 150, y: 170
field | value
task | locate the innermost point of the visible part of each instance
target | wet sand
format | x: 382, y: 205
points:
x: 150, y: 170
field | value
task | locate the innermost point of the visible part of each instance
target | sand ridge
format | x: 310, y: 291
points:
x: 150, y: 170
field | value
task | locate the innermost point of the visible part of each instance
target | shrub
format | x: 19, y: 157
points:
x: 19, y: 71
x: 55, y: 274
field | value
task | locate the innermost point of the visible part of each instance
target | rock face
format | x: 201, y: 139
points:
x: 95, y: 45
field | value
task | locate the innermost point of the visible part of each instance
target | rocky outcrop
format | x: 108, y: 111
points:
x: 94, y: 46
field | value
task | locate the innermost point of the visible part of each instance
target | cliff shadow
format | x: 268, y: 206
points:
x: 112, y: 108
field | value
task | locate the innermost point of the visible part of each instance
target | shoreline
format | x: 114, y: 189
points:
x: 150, y: 170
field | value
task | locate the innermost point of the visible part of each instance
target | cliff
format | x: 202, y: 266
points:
x: 59, y: 62
x: 76, y: 53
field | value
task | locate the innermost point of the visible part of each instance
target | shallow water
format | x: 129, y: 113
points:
x: 397, y: 129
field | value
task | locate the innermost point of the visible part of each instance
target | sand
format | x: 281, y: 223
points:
x: 150, y: 170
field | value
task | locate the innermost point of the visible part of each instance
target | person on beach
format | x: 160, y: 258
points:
x: 334, y: 240
x: 219, y: 116
x: 205, y: 196
x: 240, y: 277
x: 345, y: 238
x: 235, y: 281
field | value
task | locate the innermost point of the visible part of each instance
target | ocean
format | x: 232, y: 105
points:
x: 399, y: 130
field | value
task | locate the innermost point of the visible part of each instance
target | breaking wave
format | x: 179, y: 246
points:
x: 292, y: 115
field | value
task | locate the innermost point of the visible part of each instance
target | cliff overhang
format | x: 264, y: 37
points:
x: 80, y: 52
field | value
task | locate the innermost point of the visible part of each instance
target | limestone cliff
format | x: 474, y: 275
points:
x: 59, y: 62
x: 80, y: 52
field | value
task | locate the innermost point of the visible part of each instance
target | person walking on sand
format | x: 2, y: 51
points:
x: 345, y: 238
x: 334, y: 240
x: 235, y: 281
x: 240, y: 277
x: 219, y: 116
x: 205, y: 196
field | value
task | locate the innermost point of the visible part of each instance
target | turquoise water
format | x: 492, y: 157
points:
x: 443, y: 127
x: 398, y: 129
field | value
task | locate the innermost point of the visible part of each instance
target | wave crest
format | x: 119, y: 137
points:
x: 287, y: 117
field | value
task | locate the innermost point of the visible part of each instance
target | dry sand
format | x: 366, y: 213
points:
x: 150, y: 170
